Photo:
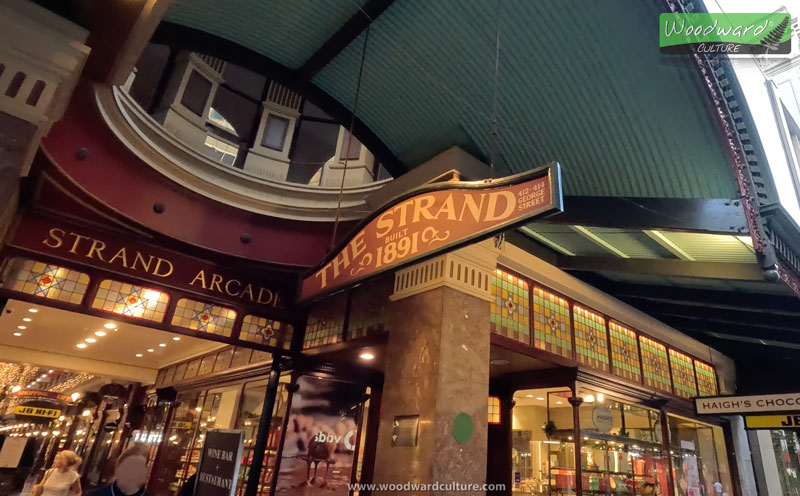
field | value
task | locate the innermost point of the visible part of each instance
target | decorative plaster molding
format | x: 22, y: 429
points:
x: 468, y: 270
x: 169, y: 156
x: 43, y: 55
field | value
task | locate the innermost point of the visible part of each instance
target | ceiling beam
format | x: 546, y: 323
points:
x: 757, y: 320
x: 349, y: 31
x: 690, y: 325
x: 182, y: 37
x: 706, y: 298
x: 594, y: 238
x: 663, y: 267
x: 720, y: 216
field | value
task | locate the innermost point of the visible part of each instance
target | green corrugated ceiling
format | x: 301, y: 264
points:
x: 581, y: 82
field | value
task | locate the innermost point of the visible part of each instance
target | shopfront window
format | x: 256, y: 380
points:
x: 787, y: 455
x: 178, y: 449
x: 621, y: 447
x: 543, y: 446
x: 248, y: 420
x: 698, y: 455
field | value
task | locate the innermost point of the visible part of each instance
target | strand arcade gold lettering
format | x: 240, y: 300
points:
x: 134, y: 260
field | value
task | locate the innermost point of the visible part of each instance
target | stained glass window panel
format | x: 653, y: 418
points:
x: 510, y: 307
x: 591, y: 338
x: 552, y: 329
x: 204, y: 317
x: 706, y: 379
x: 494, y: 410
x: 368, y: 309
x: 624, y: 352
x: 655, y: 364
x: 45, y: 280
x: 326, y: 322
x: 131, y: 300
x: 683, y: 383
x: 266, y: 331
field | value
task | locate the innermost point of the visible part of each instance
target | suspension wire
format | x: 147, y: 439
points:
x: 495, y: 129
x: 349, y: 140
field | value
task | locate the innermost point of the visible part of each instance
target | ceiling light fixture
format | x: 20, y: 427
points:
x: 32, y: 310
x: 100, y: 333
x: 90, y: 340
x: 539, y: 398
x: 139, y: 355
x: 366, y: 356
x: 176, y: 338
x: 110, y: 325
x: 529, y: 396
x: 27, y: 319
x: 18, y: 334
x: 162, y: 345
x: 150, y: 350
x: 22, y: 327
x: 81, y: 345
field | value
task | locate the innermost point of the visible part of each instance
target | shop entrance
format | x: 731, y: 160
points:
x: 72, y: 381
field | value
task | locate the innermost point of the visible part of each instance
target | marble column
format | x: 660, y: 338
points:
x: 437, y: 368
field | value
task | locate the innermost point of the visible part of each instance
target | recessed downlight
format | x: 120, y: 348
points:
x: 110, y: 325
x: 162, y: 345
x: 366, y: 356
x: 100, y: 333
x: 176, y: 338
x: 22, y: 327
x: 81, y: 345
x: 17, y: 334
x: 539, y: 398
x: 32, y: 310
x: 139, y: 355
x: 150, y: 350
x: 90, y: 340
x: 27, y: 319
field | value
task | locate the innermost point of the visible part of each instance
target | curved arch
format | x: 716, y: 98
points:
x: 186, y: 38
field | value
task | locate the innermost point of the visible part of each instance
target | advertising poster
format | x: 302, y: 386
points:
x: 321, y: 434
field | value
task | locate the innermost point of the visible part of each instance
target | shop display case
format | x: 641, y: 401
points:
x: 612, y: 465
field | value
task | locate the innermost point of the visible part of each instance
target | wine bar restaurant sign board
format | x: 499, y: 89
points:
x: 219, y: 463
x: 432, y: 219
x: 763, y: 403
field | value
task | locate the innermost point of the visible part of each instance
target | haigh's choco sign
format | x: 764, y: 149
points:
x: 62, y: 240
x: 432, y: 219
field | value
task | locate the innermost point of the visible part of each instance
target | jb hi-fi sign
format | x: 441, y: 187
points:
x: 433, y: 219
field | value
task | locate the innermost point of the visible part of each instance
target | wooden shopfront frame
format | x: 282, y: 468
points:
x: 572, y: 374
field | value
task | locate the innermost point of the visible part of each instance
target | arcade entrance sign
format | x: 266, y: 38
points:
x: 153, y: 264
x: 432, y: 219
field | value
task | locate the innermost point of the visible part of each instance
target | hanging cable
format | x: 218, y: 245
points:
x: 349, y: 140
x: 495, y: 129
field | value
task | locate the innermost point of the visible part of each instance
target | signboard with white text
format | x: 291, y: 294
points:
x: 219, y: 463
x: 762, y: 403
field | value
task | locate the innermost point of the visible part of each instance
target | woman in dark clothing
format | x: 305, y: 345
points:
x: 187, y: 489
x: 130, y: 475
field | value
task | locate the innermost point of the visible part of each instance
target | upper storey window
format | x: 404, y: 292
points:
x: 244, y: 120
